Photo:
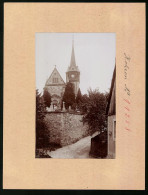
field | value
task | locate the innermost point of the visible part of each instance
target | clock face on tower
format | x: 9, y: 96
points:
x: 73, y: 76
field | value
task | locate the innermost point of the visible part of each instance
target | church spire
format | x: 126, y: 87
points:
x: 73, y: 61
x: 73, y: 73
x: 73, y: 66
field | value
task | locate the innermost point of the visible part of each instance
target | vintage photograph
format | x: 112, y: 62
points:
x: 75, y: 95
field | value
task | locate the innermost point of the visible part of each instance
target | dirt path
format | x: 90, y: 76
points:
x: 77, y: 150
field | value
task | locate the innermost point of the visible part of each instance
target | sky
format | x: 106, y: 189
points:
x: 94, y: 53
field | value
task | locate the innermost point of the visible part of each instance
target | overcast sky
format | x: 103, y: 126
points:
x: 94, y: 54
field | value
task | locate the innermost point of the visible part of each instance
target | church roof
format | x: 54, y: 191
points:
x: 52, y: 78
x: 73, y: 66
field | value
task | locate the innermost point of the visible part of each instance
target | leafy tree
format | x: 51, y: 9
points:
x: 42, y: 136
x: 79, y: 97
x: 93, y: 107
x: 84, y: 103
x: 47, y: 98
x: 40, y: 106
x: 69, y: 95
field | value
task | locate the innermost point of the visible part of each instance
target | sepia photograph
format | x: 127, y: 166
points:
x: 70, y: 72
x: 75, y: 95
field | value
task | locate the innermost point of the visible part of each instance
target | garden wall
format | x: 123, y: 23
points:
x: 65, y: 128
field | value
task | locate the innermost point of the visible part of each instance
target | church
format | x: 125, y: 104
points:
x: 55, y: 84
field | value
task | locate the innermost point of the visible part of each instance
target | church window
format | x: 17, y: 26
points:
x: 55, y: 80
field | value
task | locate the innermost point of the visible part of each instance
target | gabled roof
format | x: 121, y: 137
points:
x: 55, y: 74
x: 111, y: 90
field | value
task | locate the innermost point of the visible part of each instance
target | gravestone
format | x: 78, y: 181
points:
x: 50, y: 109
x: 64, y: 107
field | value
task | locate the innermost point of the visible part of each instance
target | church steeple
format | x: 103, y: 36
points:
x: 73, y: 61
x: 73, y: 73
x: 73, y: 66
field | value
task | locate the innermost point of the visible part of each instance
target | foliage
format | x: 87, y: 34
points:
x: 93, y: 107
x: 41, y: 153
x: 47, y: 98
x: 42, y: 136
x: 69, y: 96
x: 79, y: 98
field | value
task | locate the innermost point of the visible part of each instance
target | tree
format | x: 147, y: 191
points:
x: 69, y: 95
x: 42, y: 136
x: 47, y: 98
x: 93, y: 107
x: 40, y: 106
x: 79, y: 97
x: 84, y: 103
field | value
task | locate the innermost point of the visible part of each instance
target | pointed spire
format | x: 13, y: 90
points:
x: 73, y: 66
x: 73, y: 61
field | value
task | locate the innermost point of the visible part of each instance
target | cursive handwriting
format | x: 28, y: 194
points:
x: 126, y: 67
x: 126, y: 100
x: 127, y: 90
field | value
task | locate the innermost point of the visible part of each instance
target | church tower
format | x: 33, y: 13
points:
x: 73, y: 73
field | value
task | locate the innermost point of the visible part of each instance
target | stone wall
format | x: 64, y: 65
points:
x: 65, y: 128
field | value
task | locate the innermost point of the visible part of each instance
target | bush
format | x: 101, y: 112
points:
x: 47, y: 98
x: 93, y: 107
x: 69, y: 96
x: 42, y: 135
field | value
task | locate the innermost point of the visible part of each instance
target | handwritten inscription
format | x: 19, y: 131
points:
x: 127, y: 90
x: 126, y: 100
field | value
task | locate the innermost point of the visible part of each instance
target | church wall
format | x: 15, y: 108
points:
x: 55, y: 89
x: 65, y: 128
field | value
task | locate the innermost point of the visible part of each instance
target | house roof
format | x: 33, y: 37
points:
x: 111, y: 90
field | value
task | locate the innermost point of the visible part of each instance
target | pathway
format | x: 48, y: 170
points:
x: 80, y: 149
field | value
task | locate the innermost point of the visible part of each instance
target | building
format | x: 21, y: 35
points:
x: 55, y: 84
x: 111, y: 113
x: 73, y: 73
